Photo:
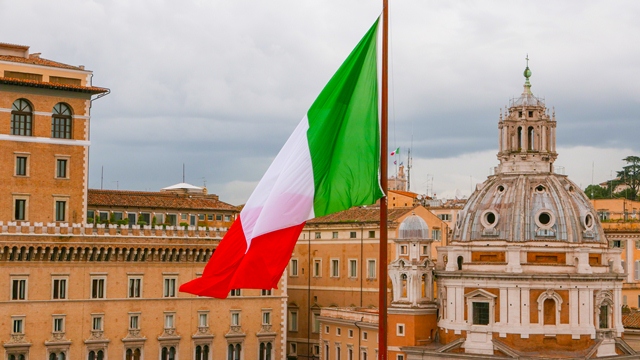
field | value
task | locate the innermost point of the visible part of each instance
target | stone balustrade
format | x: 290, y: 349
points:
x: 38, y: 228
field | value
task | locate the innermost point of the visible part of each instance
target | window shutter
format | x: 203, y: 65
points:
x: 637, y: 270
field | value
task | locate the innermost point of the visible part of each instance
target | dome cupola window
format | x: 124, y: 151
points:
x: 545, y: 220
x: 501, y: 188
x: 540, y: 189
x: 588, y: 221
x: 489, y: 219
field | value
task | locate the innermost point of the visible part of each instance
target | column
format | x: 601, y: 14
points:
x: 525, y: 308
x: 513, y: 308
x: 574, y: 300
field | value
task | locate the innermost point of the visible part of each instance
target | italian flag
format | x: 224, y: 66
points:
x: 330, y: 163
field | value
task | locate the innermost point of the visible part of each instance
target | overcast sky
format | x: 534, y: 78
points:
x: 220, y: 85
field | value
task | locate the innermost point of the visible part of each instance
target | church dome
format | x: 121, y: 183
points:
x: 413, y: 227
x: 528, y: 207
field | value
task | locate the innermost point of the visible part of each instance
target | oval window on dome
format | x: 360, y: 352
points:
x: 489, y: 219
x: 588, y: 222
x: 500, y: 188
x: 545, y: 219
x: 540, y: 188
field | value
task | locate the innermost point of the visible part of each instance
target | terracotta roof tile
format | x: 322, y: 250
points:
x: 632, y: 320
x: 48, y: 85
x: 148, y: 199
x: 359, y: 214
x: 36, y: 60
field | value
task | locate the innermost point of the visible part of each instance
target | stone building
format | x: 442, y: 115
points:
x: 107, y: 289
x: 528, y: 271
x: 334, y: 264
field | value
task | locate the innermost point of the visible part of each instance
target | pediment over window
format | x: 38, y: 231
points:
x: 480, y: 294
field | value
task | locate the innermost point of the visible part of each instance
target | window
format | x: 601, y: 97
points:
x: 371, y: 269
x: 203, y: 319
x: 617, y: 244
x: 57, y: 355
x: 19, y: 289
x: 20, y: 209
x: 58, y: 324
x: 21, y: 165
x: 202, y: 352
x: 227, y: 218
x: 135, y: 287
x: 168, y: 353
x: 61, y: 168
x: 234, y: 351
x: 172, y: 219
x: 326, y: 328
x: 169, y: 287
x: 365, y: 335
x: 61, y: 210
x: 21, y: 118
x: 399, y: 357
x: 353, y: 235
x: 293, y: 267
x: 436, y: 234
x: 218, y: 217
x: 98, y: 287
x: 265, y: 292
x: 235, y: 318
x: 293, y: 320
x: 353, y: 268
x: 293, y: 348
x: 201, y: 217
x: 338, y: 331
x: 400, y: 329
x: 335, y: 268
x: 403, y: 250
x: 266, y: 318
x: 350, y: 333
x: 372, y: 234
x: 480, y: 313
x: 210, y: 217
x: 317, y: 267
x: 315, y: 322
x: 18, y: 325
x: 97, y: 322
x: 445, y: 217
x: 99, y: 355
x: 134, y: 321
x: 144, y: 219
x: 61, y: 122
x: 266, y: 348
x: 169, y: 320
x: 132, y: 354
x: 235, y: 292
x: 59, y: 288
x: 318, y: 235
x: 334, y: 235
x: 425, y: 249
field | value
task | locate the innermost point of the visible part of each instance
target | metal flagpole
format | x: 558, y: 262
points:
x: 384, y: 129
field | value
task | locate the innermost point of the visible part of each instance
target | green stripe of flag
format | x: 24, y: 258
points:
x: 343, y: 135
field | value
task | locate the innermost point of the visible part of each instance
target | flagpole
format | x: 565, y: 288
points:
x: 384, y: 139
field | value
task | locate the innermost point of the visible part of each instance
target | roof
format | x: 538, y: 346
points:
x: 405, y: 193
x: 37, y: 60
x: 632, y: 320
x: 360, y: 214
x: 14, y: 46
x: 55, y: 86
x: 159, y: 200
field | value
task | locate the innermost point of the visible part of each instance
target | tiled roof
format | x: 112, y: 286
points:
x: 632, y: 320
x: 55, y: 86
x: 360, y: 214
x: 36, y: 60
x: 148, y: 199
x: 15, y: 46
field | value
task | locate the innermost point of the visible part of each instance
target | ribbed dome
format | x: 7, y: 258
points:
x: 413, y: 227
x: 529, y: 207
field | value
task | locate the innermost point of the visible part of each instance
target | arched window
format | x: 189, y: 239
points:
x: 21, y: 118
x: 61, y: 122
x: 133, y: 354
x: 604, y: 306
x: 531, y: 138
x: 549, y: 308
x: 424, y: 286
x: 403, y: 285
x: 233, y: 352
x: 519, y: 138
x: 202, y: 352
x: 168, y: 353
x: 265, y: 350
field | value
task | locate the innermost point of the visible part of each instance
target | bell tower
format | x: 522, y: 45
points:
x: 527, y: 134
